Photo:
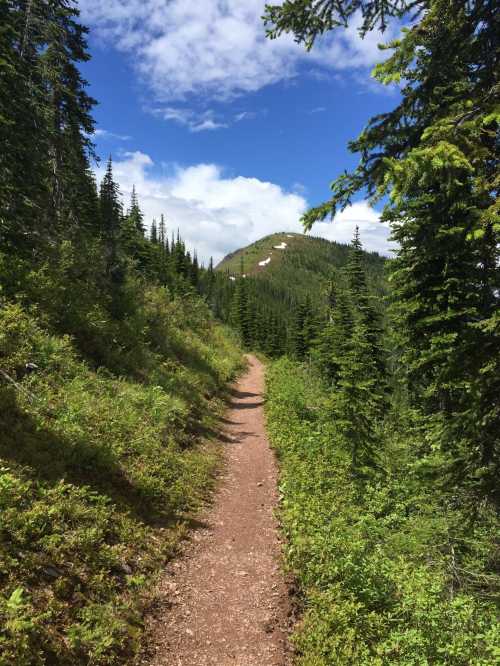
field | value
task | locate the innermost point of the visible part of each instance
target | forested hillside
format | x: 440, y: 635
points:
x: 110, y: 368
x: 276, y: 291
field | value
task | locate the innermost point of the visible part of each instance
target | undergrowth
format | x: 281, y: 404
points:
x: 389, y: 568
x: 99, y: 474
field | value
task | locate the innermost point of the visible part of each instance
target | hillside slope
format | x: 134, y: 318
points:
x: 287, y: 277
x: 100, y: 469
x: 298, y: 263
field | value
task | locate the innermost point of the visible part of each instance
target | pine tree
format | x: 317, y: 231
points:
x: 363, y: 306
x: 179, y: 256
x: 303, y: 330
x: 436, y: 156
x: 45, y: 125
x: 210, y: 280
x: 133, y: 241
x: 111, y: 221
x: 240, y: 312
x: 67, y: 109
x: 153, y: 234
x: 162, y: 233
x: 134, y: 214
x: 194, y: 272
x: 356, y: 406
x: 334, y: 337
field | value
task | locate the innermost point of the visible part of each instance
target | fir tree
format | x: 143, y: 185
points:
x: 67, y: 108
x: 240, y: 313
x: 364, y: 308
x: 162, y: 233
x: 133, y: 240
x: 355, y: 404
x: 153, y: 232
x: 134, y: 214
x: 111, y: 220
x: 194, y: 272
x: 436, y: 156
x: 179, y: 256
x: 334, y: 337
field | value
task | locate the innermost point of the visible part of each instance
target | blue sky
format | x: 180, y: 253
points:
x: 232, y: 136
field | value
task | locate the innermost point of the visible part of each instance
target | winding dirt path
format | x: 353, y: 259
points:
x: 225, y: 602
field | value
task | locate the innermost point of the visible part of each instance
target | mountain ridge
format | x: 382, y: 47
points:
x: 296, y: 262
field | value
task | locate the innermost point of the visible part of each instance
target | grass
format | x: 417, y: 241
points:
x: 99, y: 475
x: 259, y: 251
x: 390, y: 570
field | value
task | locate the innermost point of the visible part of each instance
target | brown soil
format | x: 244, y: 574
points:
x: 225, y: 601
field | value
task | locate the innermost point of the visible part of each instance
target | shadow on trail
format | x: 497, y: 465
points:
x: 248, y: 405
x: 243, y: 394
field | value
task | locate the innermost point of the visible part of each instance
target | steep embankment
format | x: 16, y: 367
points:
x: 98, y: 472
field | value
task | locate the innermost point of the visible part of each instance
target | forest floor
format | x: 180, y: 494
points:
x: 225, y: 601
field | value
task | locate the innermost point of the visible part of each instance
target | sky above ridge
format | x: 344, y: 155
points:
x: 232, y: 136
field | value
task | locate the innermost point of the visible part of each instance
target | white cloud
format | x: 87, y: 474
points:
x: 374, y: 234
x: 217, y: 214
x: 105, y: 134
x: 245, y: 115
x: 217, y: 48
x: 195, y: 121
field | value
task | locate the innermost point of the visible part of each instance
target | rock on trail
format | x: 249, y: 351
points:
x: 225, y: 601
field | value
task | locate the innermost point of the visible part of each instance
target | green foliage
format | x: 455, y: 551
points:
x: 110, y: 367
x: 436, y: 157
x: 241, y: 318
x: 308, y: 19
x: 391, y: 570
x: 98, y: 471
x: 287, y: 298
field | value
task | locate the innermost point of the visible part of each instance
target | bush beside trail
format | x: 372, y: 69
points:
x: 99, y: 471
x: 390, y: 569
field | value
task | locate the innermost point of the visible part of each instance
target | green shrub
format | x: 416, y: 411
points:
x: 390, y: 571
x: 99, y: 469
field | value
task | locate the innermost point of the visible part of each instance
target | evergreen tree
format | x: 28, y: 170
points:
x: 436, y: 155
x: 210, y: 281
x: 240, y: 312
x: 334, y: 337
x: 153, y: 234
x: 162, y: 233
x: 111, y: 221
x: 356, y: 406
x: 67, y: 108
x: 194, y: 271
x: 134, y: 214
x: 303, y: 330
x: 179, y: 256
x: 133, y: 241
x: 274, y: 339
x: 364, y: 308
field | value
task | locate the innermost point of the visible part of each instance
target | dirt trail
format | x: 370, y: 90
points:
x: 225, y: 602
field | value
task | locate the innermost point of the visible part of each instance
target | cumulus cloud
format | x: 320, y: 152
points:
x: 217, y: 48
x: 374, y: 234
x: 217, y: 214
